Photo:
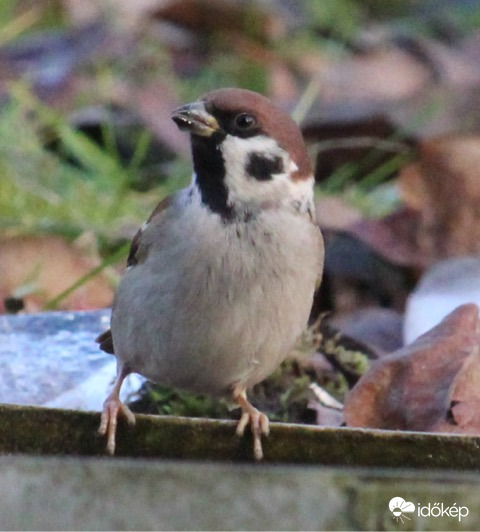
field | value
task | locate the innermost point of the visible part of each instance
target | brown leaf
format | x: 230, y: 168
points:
x: 426, y: 94
x: 441, y: 217
x: 449, y: 65
x: 465, y: 392
x: 382, y: 74
x: 465, y: 399
x: 225, y: 16
x: 409, y: 389
x: 39, y: 268
x: 412, y: 188
x: 450, y: 221
x: 394, y: 237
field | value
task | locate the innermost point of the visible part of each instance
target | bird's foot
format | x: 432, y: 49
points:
x: 258, y: 422
x: 112, y: 408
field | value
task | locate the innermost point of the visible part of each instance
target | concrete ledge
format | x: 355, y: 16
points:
x: 353, y: 474
x: 52, y: 493
x: 46, y: 431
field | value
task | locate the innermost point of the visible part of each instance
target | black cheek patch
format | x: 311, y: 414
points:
x: 263, y: 168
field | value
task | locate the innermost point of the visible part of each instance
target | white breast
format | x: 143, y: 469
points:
x: 215, y: 304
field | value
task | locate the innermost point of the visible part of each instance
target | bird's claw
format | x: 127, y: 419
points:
x: 259, y: 425
x: 112, y: 408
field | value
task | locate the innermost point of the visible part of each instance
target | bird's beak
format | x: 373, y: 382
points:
x: 195, y: 119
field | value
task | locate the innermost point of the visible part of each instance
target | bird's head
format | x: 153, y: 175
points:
x: 248, y: 154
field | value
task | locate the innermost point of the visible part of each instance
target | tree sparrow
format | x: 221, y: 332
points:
x: 221, y: 278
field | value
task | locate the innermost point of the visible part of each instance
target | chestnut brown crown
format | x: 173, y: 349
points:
x: 231, y: 104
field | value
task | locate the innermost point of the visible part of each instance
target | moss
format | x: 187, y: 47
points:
x: 352, y: 360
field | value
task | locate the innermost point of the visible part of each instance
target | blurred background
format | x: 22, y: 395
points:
x: 387, y: 95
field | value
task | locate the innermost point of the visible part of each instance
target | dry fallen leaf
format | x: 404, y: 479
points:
x: 450, y: 219
x: 224, y: 16
x: 418, y: 88
x: 412, y: 188
x: 382, y: 74
x: 465, y: 395
x: 440, y: 218
x: 394, y: 237
x: 464, y: 400
x: 36, y: 269
x: 410, y: 389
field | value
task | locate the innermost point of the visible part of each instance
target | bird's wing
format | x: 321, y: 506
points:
x: 106, y: 342
x: 137, y: 254
x: 138, y: 249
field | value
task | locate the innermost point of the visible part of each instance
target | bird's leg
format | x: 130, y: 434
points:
x: 112, y: 408
x: 253, y: 417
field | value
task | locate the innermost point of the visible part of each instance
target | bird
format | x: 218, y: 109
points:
x: 220, y: 280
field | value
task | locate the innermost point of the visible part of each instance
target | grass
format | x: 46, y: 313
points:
x: 43, y: 190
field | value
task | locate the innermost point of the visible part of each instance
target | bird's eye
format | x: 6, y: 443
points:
x: 245, y: 121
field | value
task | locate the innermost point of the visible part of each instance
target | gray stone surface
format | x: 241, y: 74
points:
x: 120, y: 494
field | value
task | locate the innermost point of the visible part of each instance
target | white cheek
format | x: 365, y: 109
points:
x: 241, y: 186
